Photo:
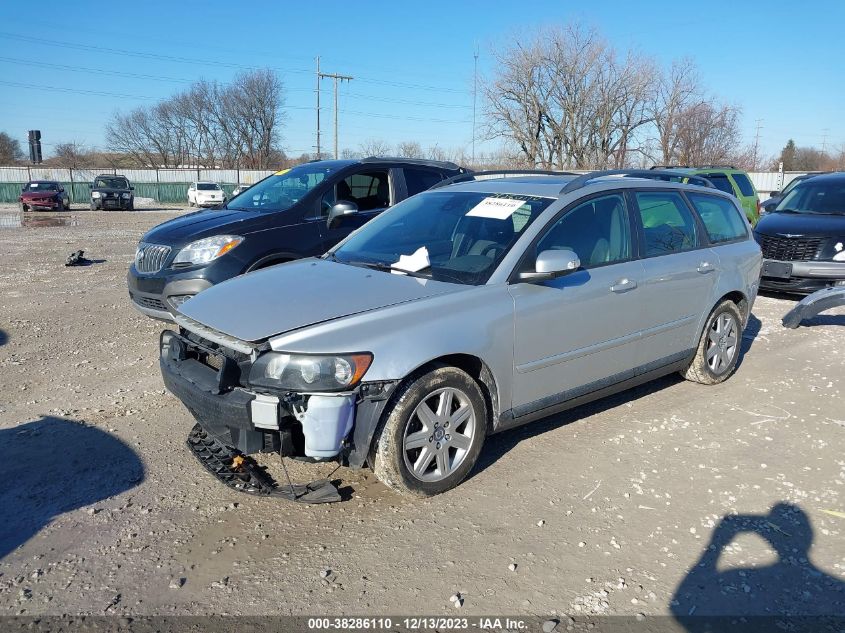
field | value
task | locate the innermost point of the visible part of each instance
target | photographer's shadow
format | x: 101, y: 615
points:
x: 53, y: 465
x: 791, y: 586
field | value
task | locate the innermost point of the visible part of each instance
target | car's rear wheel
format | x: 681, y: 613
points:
x: 718, y: 349
x: 432, y: 434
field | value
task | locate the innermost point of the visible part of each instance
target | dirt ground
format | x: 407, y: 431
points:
x: 674, y: 498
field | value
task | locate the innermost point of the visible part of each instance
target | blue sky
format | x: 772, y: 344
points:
x: 412, y: 61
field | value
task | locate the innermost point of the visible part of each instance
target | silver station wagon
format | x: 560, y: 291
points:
x: 463, y: 311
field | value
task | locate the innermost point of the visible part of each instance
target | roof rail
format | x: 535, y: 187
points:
x: 653, y: 174
x: 692, y: 167
x: 413, y: 161
x: 670, y: 167
x: 471, y: 175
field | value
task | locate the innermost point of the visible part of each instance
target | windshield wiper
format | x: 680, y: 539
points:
x: 786, y: 211
x: 385, y: 268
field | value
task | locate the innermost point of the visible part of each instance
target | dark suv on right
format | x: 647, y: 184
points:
x: 111, y: 191
x: 298, y: 212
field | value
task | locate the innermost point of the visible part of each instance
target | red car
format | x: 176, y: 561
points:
x: 44, y: 194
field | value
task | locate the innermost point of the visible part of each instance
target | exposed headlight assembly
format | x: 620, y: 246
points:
x: 96, y: 194
x: 839, y: 247
x: 309, y: 372
x: 208, y: 249
x: 125, y: 196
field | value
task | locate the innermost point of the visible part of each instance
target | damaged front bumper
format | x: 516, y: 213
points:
x: 207, y: 378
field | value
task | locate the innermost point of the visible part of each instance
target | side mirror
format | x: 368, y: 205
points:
x: 551, y: 264
x: 90, y: 186
x: 61, y: 189
x: 339, y: 210
x: 132, y: 187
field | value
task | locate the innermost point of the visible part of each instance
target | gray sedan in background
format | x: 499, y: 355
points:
x: 464, y: 311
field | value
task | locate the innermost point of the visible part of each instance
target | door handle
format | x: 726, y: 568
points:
x: 623, y: 285
x: 706, y: 267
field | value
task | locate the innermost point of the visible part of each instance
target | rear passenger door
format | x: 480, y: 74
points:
x: 679, y: 277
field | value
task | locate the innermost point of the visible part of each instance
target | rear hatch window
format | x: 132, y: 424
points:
x: 744, y: 184
x: 721, y: 181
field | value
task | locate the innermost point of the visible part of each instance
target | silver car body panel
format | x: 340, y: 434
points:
x: 544, y: 343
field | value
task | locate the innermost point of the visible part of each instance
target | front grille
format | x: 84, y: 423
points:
x: 149, y: 302
x: 800, y: 249
x: 150, y: 257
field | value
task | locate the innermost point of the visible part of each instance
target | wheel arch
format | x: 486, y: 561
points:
x: 271, y: 260
x: 741, y: 302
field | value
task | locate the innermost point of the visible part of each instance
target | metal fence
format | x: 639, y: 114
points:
x: 171, y: 185
x: 160, y: 185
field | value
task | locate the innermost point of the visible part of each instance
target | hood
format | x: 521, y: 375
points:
x: 194, y: 226
x: 111, y: 190
x: 802, y: 224
x: 29, y: 194
x: 258, y: 305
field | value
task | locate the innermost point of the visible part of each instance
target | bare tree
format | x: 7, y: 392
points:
x: 707, y: 133
x: 375, y: 147
x: 209, y: 124
x: 10, y: 150
x: 409, y: 149
x: 675, y: 93
x: 71, y: 155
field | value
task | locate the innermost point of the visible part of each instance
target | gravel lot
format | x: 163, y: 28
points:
x: 672, y: 498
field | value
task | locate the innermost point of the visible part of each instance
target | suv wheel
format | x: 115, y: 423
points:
x: 433, y: 433
x: 93, y: 206
x: 718, y: 350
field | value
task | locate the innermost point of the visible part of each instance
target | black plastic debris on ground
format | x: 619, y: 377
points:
x: 78, y: 259
x: 241, y: 473
x: 813, y: 304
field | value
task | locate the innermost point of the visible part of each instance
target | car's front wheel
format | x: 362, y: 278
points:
x: 718, y: 349
x: 432, y: 434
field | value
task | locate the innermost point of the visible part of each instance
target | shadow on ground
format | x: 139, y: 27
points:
x: 4, y: 338
x: 792, y: 586
x: 54, y: 465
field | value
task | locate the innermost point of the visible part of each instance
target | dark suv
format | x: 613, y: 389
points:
x: 294, y: 213
x: 110, y: 191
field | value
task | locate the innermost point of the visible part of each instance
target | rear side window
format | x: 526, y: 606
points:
x: 668, y: 224
x: 744, y: 184
x: 722, y: 182
x: 720, y: 216
x: 417, y: 180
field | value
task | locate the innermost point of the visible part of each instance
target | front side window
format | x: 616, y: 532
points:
x: 815, y: 196
x: 282, y: 190
x: 720, y: 216
x: 597, y: 231
x: 668, y: 224
x: 464, y: 234
x: 744, y: 184
x: 368, y: 190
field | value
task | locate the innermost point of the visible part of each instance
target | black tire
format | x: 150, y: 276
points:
x: 93, y: 206
x: 392, y: 459
x: 131, y: 206
x: 66, y: 205
x: 24, y: 208
x: 717, y: 346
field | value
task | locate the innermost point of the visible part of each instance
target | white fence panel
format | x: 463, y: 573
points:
x: 14, y: 174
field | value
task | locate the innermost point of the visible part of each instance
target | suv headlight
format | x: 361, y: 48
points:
x: 125, y: 196
x: 207, y: 249
x: 309, y: 372
x: 96, y: 194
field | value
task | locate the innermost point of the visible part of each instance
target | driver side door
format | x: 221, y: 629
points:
x: 372, y: 190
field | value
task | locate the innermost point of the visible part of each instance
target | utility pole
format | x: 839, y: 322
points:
x: 474, y: 99
x: 318, y: 108
x: 337, y: 79
x: 757, y: 143
x: 824, y: 139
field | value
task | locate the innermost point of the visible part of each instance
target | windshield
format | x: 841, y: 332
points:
x: 111, y: 183
x: 282, y: 190
x: 815, y: 196
x: 208, y: 186
x: 42, y: 186
x: 455, y: 236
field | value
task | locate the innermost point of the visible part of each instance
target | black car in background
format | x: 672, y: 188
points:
x: 777, y: 196
x: 298, y: 212
x: 112, y: 191
x: 803, y: 238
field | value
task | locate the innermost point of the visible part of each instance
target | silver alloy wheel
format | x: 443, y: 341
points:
x: 439, y: 434
x: 722, y: 343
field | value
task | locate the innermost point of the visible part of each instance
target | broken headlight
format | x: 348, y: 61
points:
x: 309, y: 372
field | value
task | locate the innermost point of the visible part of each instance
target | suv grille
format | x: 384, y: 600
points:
x: 799, y: 249
x: 150, y: 257
x: 149, y: 302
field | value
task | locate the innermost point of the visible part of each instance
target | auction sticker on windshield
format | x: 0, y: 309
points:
x: 496, y: 208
